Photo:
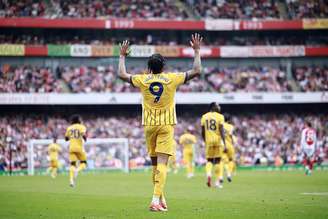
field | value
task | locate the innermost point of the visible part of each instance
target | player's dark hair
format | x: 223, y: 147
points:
x: 227, y: 117
x: 75, y: 119
x: 308, y: 123
x: 214, y: 107
x: 156, y: 63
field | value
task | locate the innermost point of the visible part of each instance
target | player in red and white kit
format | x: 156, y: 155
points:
x: 308, y: 144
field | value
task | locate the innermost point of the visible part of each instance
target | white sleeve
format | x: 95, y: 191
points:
x: 303, y: 139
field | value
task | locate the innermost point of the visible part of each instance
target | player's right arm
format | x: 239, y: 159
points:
x: 195, y: 43
x: 122, y: 74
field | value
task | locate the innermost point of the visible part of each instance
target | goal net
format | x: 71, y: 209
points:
x: 102, y: 154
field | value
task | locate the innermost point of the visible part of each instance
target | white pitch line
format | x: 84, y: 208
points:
x: 314, y: 193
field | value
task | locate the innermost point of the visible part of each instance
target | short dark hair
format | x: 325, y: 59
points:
x: 308, y: 123
x: 227, y: 117
x: 214, y: 107
x: 75, y: 119
x: 156, y: 63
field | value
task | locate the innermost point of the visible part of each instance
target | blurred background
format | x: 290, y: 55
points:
x: 264, y: 61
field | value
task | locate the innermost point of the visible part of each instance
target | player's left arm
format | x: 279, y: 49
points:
x: 195, y: 43
x: 124, y: 51
x: 202, y: 123
x: 66, y: 135
x: 203, y: 132
x: 84, y: 133
x: 222, y: 133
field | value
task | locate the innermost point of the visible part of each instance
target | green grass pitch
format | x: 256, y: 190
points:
x: 252, y: 194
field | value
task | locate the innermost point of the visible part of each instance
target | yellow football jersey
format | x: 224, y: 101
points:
x: 187, y: 140
x: 211, y: 121
x: 158, y: 93
x: 75, y: 134
x: 53, y: 150
x: 228, y: 128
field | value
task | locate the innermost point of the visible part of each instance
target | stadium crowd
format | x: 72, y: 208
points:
x: 311, y: 78
x: 86, y: 79
x: 251, y: 79
x: 28, y: 79
x: 241, y: 9
x: 307, y: 8
x: 261, y: 139
x: 159, y: 39
x: 168, y: 9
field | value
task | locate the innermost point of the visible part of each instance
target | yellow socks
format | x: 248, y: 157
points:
x: 153, y: 173
x: 208, y: 169
x: 82, y: 166
x: 190, y: 169
x: 54, y: 172
x: 160, y: 179
x: 232, y: 166
x: 218, y: 170
x: 71, y: 173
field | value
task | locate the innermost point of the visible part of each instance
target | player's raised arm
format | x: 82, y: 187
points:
x: 124, y: 50
x: 195, y: 43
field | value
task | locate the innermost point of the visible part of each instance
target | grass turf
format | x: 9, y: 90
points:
x: 252, y: 194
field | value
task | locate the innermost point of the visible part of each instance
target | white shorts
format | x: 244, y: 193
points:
x: 309, y: 152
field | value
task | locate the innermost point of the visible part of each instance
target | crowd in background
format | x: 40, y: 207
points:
x: 28, y: 79
x: 251, y: 79
x: 168, y: 9
x: 261, y: 138
x: 87, y: 79
x: 156, y: 38
x: 307, y: 8
x: 311, y: 78
x: 230, y: 9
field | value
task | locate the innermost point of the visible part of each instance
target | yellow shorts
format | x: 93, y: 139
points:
x: 187, y: 155
x: 214, y: 151
x: 159, y: 139
x: 173, y: 159
x: 54, y: 163
x: 230, y: 152
x: 225, y: 158
x: 75, y: 156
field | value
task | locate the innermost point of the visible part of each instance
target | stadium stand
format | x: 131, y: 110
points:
x: 177, y: 10
x: 235, y: 9
x: 86, y: 79
x: 155, y: 38
x: 260, y: 137
x: 307, y: 9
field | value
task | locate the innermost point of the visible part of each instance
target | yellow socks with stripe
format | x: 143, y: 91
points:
x: 208, y: 169
x: 82, y: 166
x: 154, y: 169
x: 160, y: 179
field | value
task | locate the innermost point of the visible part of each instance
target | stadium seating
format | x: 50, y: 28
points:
x: 86, y: 79
x: 307, y: 8
x: 259, y: 136
x: 229, y: 9
x: 157, y: 39
x: 242, y: 9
